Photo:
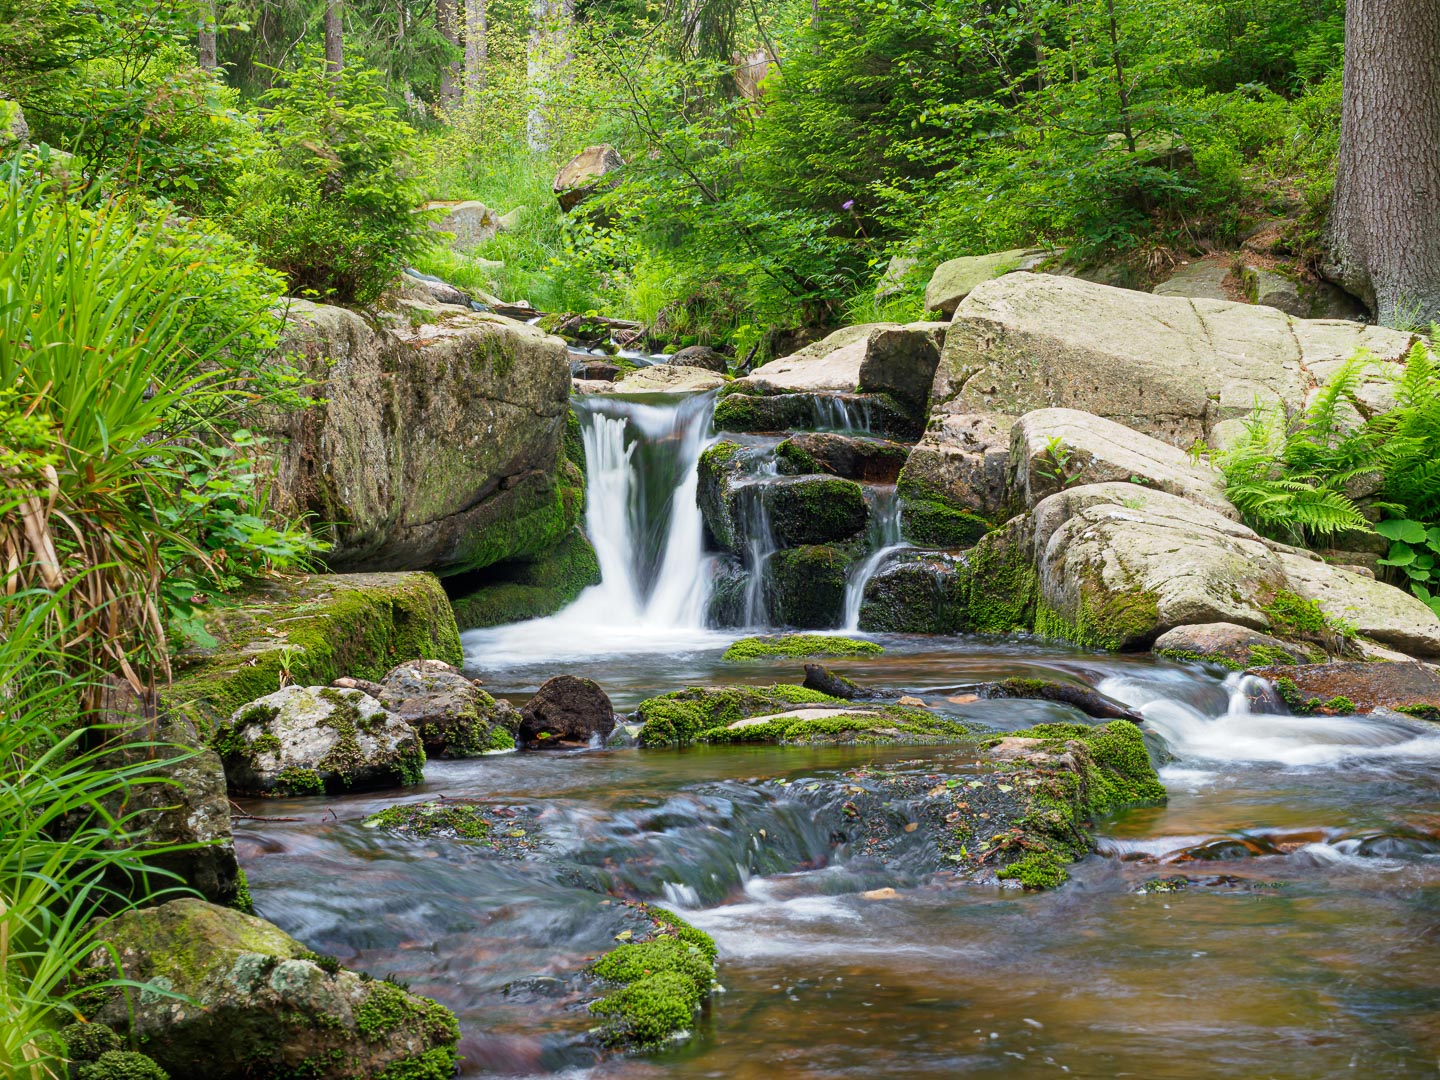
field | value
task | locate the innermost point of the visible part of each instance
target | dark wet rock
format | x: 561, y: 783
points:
x: 719, y: 471
x: 1231, y: 645
x: 824, y: 681
x: 252, y: 1001
x: 677, y: 718
x: 727, y: 594
x: 805, y: 586
x: 1087, y: 700
x: 1357, y: 686
x: 313, y: 740
x: 815, y: 509
x: 603, y: 370
x: 701, y: 356
x: 875, y: 414
x: 566, y: 711
x: 453, y: 716
x: 917, y: 593
x: 871, y: 461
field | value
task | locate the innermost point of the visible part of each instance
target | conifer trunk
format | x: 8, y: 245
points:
x: 334, y: 37
x: 207, y: 46
x: 1385, y: 220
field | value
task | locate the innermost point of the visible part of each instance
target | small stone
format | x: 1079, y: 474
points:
x: 911, y: 700
x: 880, y: 894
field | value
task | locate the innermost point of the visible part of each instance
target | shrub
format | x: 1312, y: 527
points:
x: 331, y: 204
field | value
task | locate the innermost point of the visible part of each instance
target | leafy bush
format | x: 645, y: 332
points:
x: 331, y: 204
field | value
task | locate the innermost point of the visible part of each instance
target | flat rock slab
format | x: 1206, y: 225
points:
x: 1412, y: 688
x: 797, y: 714
x: 1199, y: 280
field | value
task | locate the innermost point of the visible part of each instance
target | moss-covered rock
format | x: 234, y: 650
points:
x: 248, y: 1001
x: 880, y: 725
x: 523, y: 589
x: 453, y: 717
x: 719, y: 467
x: 315, y: 740
x: 311, y: 629
x: 1231, y: 646
x: 121, y: 1065
x: 1342, y: 687
x: 805, y: 586
x: 918, y: 594
x: 815, y: 509
x: 800, y: 645
x: 931, y: 523
x: 873, y: 461
x: 661, y: 982
x: 676, y: 718
x: 742, y: 409
x: 1003, y: 583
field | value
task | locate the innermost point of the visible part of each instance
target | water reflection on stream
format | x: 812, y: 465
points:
x: 1307, y: 946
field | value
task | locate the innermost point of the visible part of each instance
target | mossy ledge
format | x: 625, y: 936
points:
x: 313, y: 629
x: 885, y: 725
x: 677, y: 718
x: 661, y: 982
x: 1109, y: 768
x: 800, y: 645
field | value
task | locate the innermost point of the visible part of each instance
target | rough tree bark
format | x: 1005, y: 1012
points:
x: 334, y: 37
x: 477, y: 48
x: 206, y: 47
x: 447, y: 20
x: 1385, y: 220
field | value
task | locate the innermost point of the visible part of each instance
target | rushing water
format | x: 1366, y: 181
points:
x: 1301, y: 943
x: 885, y: 540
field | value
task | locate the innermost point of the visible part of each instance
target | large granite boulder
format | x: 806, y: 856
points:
x: 955, y: 485
x: 314, y: 740
x: 435, y: 442
x: 1204, y: 279
x: 240, y: 999
x: 1379, y: 612
x: 591, y: 170
x: 453, y: 717
x: 1052, y: 449
x: 1172, y: 367
x: 566, y: 712
x: 953, y: 281
x: 470, y: 223
x: 876, y: 358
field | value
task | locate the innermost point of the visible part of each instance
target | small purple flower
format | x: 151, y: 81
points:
x: 849, y: 204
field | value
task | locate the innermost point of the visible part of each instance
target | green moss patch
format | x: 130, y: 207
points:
x: 800, y: 645
x: 662, y: 982
x: 526, y: 589
x: 491, y: 829
x: 886, y: 725
x: 677, y: 718
x: 935, y: 524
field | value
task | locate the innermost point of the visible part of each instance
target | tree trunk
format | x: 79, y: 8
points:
x: 477, y: 48
x: 334, y: 37
x: 1385, y: 220
x: 446, y: 20
x: 206, y: 47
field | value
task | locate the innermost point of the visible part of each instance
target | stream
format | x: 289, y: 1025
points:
x: 1294, y: 933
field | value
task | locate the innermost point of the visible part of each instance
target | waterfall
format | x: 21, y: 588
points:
x: 760, y: 542
x: 884, y: 541
x: 643, y: 519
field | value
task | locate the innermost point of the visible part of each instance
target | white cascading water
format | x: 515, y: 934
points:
x: 1242, y: 734
x: 644, y: 521
x: 884, y: 542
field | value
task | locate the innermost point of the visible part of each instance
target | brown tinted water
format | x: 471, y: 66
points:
x: 1305, y: 944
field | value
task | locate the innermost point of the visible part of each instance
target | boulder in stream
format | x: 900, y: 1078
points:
x: 1232, y: 646
x: 918, y: 593
x: 453, y: 717
x: 871, y: 461
x: 240, y: 999
x: 1357, y: 686
x: 805, y: 586
x: 677, y: 718
x: 800, y: 645
x: 315, y: 740
x: 701, y: 356
x: 566, y: 712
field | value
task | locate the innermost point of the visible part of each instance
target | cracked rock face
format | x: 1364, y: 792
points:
x: 1174, y: 367
x: 436, y: 442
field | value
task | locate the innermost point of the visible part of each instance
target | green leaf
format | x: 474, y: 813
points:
x: 1411, y: 532
x: 1420, y: 591
x: 1400, y: 555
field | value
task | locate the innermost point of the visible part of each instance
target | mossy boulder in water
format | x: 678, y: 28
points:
x: 800, y: 645
x: 677, y: 718
x: 453, y: 717
x: 234, y: 997
x: 313, y: 740
x: 815, y: 509
x: 921, y: 593
x: 874, y: 461
x: 805, y: 586
x: 661, y: 983
x: 1231, y: 646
